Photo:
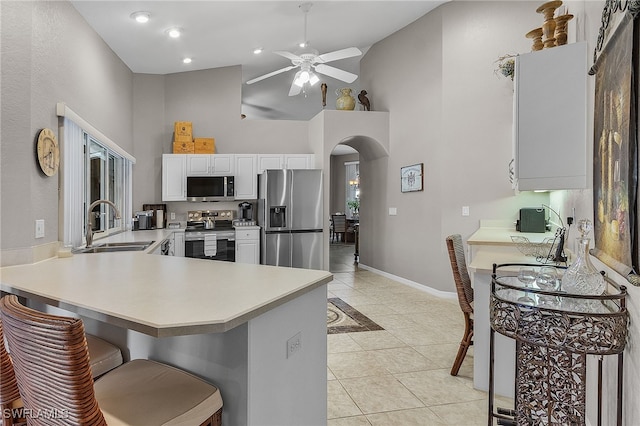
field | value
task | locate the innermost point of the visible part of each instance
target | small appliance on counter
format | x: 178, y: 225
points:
x: 532, y: 220
x: 245, y: 215
x: 144, y: 220
x: 159, y: 220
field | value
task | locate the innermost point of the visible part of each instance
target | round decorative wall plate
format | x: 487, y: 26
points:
x: 48, y: 152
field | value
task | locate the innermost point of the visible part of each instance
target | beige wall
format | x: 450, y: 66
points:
x: 49, y: 54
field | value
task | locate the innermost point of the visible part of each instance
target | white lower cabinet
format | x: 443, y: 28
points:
x: 178, y: 244
x: 248, y: 245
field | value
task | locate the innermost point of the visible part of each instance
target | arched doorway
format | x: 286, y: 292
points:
x: 345, y: 255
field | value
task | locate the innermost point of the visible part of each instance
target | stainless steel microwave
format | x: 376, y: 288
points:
x: 210, y: 188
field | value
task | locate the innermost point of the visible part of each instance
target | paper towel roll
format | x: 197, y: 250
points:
x: 159, y: 219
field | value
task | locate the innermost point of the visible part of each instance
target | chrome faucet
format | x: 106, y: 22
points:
x: 90, y: 218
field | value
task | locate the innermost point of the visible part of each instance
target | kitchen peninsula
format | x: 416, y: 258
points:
x: 232, y: 324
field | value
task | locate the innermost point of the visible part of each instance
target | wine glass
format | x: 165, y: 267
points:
x: 527, y: 276
x: 547, y: 278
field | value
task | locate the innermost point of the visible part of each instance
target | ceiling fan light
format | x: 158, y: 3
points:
x: 297, y: 80
x: 313, y: 79
x: 304, y: 76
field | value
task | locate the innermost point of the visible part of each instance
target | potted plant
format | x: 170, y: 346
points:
x: 354, y: 205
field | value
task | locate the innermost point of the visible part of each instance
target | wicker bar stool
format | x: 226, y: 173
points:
x: 51, y: 364
x: 465, y: 296
x: 103, y: 356
x: 9, y: 393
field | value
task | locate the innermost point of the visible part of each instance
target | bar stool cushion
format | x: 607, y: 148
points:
x: 143, y: 392
x: 103, y: 356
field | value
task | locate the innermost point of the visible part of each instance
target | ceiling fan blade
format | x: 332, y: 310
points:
x: 262, y: 77
x: 336, y: 73
x: 295, y: 89
x: 339, y: 54
x: 288, y: 55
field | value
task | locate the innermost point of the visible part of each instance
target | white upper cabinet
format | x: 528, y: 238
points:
x: 210, y: 164
x: 246, y: 177
x: 285, y: 161
x: 551, y: 118
x: 299, y: 161
x: 174, y: 178
x: 270, y: 161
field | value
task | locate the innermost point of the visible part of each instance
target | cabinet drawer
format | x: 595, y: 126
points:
x: 247, y: 234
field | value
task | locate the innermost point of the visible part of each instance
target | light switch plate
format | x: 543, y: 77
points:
x: 465, y: 210
x: 393, y: 211
x: 40, y: 228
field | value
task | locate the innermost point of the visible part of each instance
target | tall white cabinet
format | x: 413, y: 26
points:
x: 551, y: 118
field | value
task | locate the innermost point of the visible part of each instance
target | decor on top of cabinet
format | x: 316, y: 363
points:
x: 506, y: 66
x: 560, y: 33
x: 364, y: 101
x: 323, y: 89
x: 345, y: 101
x: 548, y: 9
x: 204, y: 145
x: 615, y: 148
x: 536, y: 36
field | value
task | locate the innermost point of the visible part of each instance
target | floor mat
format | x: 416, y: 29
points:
x: 343, y: 318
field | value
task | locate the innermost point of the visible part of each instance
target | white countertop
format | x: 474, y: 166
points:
x: 496, y: 236
x: 159, y: 295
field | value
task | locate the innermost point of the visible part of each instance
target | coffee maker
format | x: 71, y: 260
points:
x: 245, y: 215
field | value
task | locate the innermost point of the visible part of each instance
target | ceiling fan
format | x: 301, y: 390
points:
x: 309, y: 59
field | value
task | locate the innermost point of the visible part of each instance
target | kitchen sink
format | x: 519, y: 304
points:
x: 115, y: 247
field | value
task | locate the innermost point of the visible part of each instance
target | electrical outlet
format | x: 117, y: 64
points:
x: 173, y: 216
x: 294, y: 344
x: 40, y: 228
x: 465, y: 210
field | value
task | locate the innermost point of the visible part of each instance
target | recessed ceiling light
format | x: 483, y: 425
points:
x: 186, y: 61
x: 303, y: 44
x: 257, y: 51
x: 174, y: 32
x: 141, y: 17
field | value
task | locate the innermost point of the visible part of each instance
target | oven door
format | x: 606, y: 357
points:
x: 225, y: 247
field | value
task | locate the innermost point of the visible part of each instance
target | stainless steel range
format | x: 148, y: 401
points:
x: 210, y: 235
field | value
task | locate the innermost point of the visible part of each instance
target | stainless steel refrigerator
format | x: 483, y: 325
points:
x: 290, y: 217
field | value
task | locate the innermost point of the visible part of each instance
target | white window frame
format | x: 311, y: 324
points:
x: 73, y: 186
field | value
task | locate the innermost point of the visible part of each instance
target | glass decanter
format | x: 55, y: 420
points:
x: 582, y: 277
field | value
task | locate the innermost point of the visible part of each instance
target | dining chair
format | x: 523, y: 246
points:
x: 339, y: 226
x: 465, y: 295
x: 51, y: 364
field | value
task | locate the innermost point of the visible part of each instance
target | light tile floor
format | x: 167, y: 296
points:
x: 399, y: 375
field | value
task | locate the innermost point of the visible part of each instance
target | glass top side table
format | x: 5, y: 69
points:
x: 554, y: 332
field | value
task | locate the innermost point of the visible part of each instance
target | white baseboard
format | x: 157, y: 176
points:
x: 418, y: 286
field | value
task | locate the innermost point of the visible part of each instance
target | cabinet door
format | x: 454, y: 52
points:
x: 299, y: 161
x: 199, y: 165
x: 551, y: 118
x: 178, y: 244
x: 247, y: 251
x: 246, y: 178
x: 270, y: 161
x: 174, y: 178
x: 222, y: 164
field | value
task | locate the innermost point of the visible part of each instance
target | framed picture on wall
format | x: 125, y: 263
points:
x: 412, y: 178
